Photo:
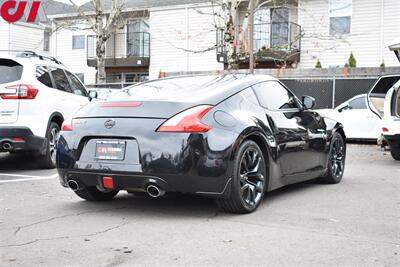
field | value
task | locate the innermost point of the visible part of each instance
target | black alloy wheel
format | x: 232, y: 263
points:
x: 249, y: 180
x: 337, y: 160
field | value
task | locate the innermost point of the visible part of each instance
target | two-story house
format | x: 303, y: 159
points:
x: 181, y: 36
x: 23, y: 35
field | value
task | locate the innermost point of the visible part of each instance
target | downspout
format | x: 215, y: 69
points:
x: 187, y: 39
x: 382, y: 35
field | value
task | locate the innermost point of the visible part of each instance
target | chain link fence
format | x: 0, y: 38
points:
x: 330, y: 92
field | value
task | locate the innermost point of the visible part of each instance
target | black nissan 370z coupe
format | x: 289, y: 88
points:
x: 231, y: 137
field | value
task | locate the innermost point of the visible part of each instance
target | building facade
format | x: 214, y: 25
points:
x: 180, y: 36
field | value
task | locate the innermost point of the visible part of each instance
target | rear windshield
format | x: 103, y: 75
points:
x: 176, y: 88
x: 10, y: 71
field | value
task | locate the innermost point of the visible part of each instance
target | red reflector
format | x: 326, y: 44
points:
x: 18, y: 139
x: 108, y: 182
x: 385, y: 129
x: 120, y: 104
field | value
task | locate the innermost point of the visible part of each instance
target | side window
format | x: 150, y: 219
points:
x: 76, y: 85
x: 78, y: 42
x: 43, y: 76
x: 273, y: 96
x: 358, y: 103
x: 60, y: 79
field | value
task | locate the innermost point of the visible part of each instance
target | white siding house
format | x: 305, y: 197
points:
x: 22, y: 36
x: 179, y: 35
x: 75, y: 58
x: 373, y: 25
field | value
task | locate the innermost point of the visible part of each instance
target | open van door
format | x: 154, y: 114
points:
x: 377, y: 94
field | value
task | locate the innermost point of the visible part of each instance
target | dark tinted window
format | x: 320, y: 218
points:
x: 179, y: 88
x: 10, y: 71
x: 76, y: 86
x: 43, y: 76
x: 272, y: 95
x: 60, y: 80
x: 384, y: 84
x: 358, y: 103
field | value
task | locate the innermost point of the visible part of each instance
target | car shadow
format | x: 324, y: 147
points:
x: 179, y: 205
x: 18, y: 162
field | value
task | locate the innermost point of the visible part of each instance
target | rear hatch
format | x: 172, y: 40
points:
x: 377, y: 95
x: 10, y: 73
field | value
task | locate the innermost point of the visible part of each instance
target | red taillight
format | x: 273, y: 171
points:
x: 18, y: 139
x: 20, y: 91
x: 188, y: 121
x: 120, y: 104
x: 67, y: 125
x: 384, y: 129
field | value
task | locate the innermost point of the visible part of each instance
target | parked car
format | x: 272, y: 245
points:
x: 359, y: 122
x: 384, y: 101
x: 232, y: 137
x: 36, y: 94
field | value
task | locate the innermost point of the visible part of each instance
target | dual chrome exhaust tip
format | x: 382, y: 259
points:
x: 7, y: 146
x: 153, y: 190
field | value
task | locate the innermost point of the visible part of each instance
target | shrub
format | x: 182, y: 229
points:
x: 318, y: 64
x: 352, y: 61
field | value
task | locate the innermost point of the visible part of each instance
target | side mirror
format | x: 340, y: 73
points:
x: 92, y: 95
x: 344, y: 108
x: 308, y: 102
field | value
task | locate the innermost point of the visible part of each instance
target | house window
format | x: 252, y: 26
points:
x: 46, y: 41
x: 78, y: 42
x: 271, y: 28
x: 340, y: 17
x: 138, y: 38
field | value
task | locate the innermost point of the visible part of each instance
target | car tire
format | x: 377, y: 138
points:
x: 92, y: 193
x: 248, y: 180
x: 395, y: 150
x: 337, y: 160
x: 48, y: 161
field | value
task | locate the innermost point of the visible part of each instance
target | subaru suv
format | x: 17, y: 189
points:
x: 37, y: 93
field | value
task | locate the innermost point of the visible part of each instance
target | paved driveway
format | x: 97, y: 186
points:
x: 356, y: 222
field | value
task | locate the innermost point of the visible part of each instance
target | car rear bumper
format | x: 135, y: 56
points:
x: 15, y: 139
x: 139, y: 182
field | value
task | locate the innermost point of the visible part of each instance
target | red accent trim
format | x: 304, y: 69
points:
x: 120, y: 104
x: 188, y: 121
x: 67, y: 125
x: 108, y: 182
x: 22, y: 91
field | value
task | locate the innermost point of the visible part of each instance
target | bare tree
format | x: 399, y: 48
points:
x: 103, y: 23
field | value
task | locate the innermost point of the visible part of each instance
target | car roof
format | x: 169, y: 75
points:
x: 31, y: 60
x: 210, y: 89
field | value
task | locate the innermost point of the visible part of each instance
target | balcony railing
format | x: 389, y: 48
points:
x: 277, y: 41
x: 122, y: 49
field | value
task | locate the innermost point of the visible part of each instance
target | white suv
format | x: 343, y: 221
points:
x: 384, y: 101
x: 37, y: 93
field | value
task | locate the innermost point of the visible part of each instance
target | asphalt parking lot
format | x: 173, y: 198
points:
x: 356, y: 222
